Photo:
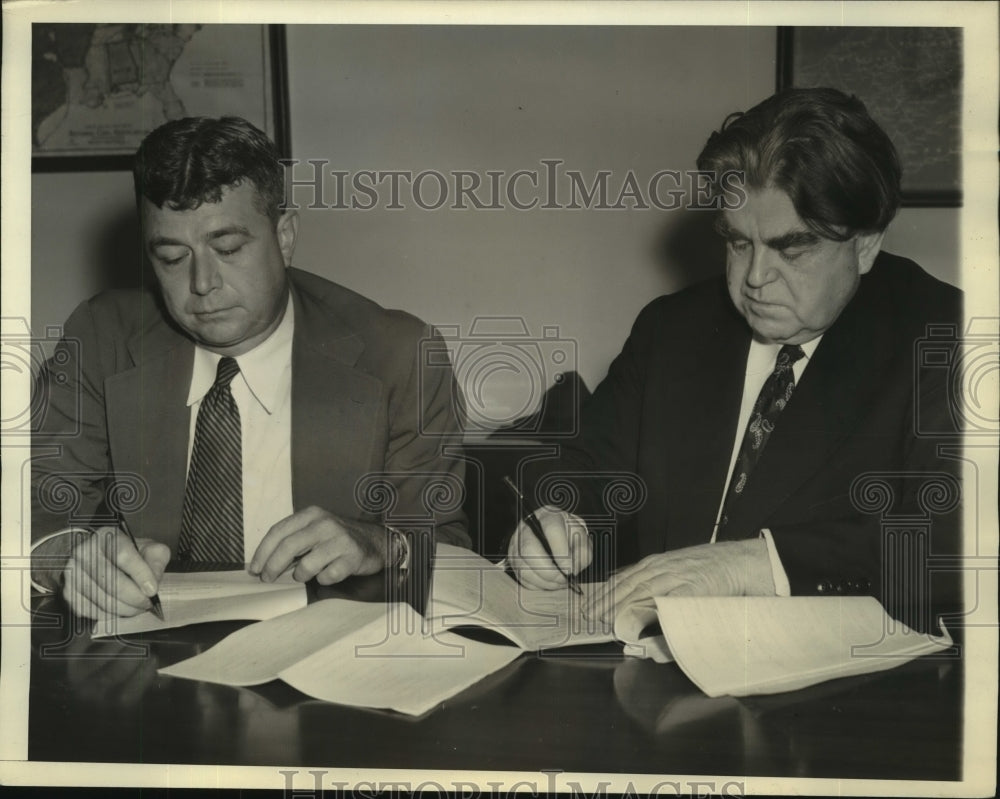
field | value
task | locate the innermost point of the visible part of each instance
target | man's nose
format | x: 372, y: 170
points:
x: 762, y: 267
x: 204, y: 275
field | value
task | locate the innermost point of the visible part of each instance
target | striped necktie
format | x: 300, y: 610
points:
x: 212, y: 520
x: 771, y: 401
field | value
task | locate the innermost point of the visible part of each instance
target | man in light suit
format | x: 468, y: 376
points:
x: 749, y: 492
x: 332, y: 409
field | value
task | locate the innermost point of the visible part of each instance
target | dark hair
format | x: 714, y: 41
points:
x: 187, y: 162
x: 820, y: 147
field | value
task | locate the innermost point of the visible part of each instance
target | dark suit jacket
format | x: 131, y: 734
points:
x: 111, y: 417
x: 667, y: 414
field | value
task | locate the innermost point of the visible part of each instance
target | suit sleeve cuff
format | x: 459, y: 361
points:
x: 38, y: 545
x: 781, y: 585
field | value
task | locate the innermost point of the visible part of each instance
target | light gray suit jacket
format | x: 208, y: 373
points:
x: 370, y: 420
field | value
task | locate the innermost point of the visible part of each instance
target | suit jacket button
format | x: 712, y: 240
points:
x: 824, y: 587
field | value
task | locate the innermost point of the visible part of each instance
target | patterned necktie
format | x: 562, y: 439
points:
x: 771, y: 401
x: 212, y: 521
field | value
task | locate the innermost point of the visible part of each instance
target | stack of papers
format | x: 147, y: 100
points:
x: 739, y: 646
x: 190, y: 598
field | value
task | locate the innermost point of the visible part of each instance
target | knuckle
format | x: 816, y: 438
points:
x: 333, y: 573
x: 286, y: 549
x: 309, y: 566
x: 314, y: 512
x: 302, y: 574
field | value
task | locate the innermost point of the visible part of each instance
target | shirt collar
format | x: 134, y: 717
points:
x: 258, y: 367
x: 762, y: 356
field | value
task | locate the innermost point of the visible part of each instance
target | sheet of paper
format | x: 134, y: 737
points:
x: 214, y: 585
x: 468, y: 590
x: 408, y: 671
x: 260, y: 652
x: 630, y: 622
x: 191, y: 598
x: 363, y: 654
x: 758, y: 645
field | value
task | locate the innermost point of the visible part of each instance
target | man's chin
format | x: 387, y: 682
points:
x: 770, y: 332
x: 766, y: 322
x: 216, y: 336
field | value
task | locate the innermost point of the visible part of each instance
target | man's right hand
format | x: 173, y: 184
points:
x: 107, y: 576
x: 570, y: 544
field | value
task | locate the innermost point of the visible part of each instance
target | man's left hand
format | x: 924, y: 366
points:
x: 727, y: 568
x: 326, y: 547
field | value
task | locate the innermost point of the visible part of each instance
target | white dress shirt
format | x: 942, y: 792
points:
x: 263, y: 393
x: 760, y: 364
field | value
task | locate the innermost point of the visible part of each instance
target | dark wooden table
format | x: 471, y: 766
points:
x: 583, y: 710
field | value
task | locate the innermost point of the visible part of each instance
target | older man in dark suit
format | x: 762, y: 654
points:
x: 751, y: 409
x: 249, y: 407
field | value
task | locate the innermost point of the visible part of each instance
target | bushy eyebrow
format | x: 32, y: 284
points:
x: 794, y: 238
x: 164, y: 241
x: 231, y: 230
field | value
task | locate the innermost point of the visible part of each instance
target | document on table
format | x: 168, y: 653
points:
x: 354, y: 653
x: 387, y: 656
x: 190, y: 598
x: 763, y: 645
x: 469, y: 590
x: 635, y: 619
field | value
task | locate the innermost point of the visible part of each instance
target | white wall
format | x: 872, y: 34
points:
x: 451, y: 98
x: 79, y: 222
x: 504, y: 99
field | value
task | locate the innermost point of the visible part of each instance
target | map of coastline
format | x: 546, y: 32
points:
x: 100, y: 88
x: 89, y: 81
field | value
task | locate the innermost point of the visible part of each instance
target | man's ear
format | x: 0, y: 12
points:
x: 867, y: 246
x: 287, y: 230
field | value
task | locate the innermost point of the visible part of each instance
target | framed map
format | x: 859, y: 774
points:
x: 911, y: 81
x: 98, y: 89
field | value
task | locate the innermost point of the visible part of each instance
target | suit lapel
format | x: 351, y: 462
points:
x: 834, y: 392
x: 334, y: 408
x: 148, y: 424
x: 334, y: 415
x: 701, y: 414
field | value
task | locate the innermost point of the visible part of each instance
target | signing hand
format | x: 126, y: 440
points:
x: 726, y: 568
x: 570, y: 544
x: 107, y: 576
x: 327, y: 547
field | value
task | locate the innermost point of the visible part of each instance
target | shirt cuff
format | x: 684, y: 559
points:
x: 781, y: 584
x: 43, y: 540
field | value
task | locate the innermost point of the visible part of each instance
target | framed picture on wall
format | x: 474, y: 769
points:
x: 98, y: 89
x: 911, y: 81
